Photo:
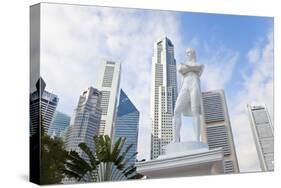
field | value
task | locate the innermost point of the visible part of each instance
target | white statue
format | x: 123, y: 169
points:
x: 189, y: 99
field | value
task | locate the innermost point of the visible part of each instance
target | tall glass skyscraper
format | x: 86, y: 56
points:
x: 43, y: 105
x: 216, y: 129
x: 163, y: 95
x: 108, y: 83
x: 263, y: 135
x: 127, y: 125
x: 85, y: 121
x: 58, y: 125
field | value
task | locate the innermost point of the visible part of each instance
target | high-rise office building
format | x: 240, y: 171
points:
x: 263, y: 135
x: 108, y: 83
x: 43, y: 105
x: 216, y: 129
x: 85, y: 121
x: 127, y: 125
x: 163, y: 95
x: 58, y: 125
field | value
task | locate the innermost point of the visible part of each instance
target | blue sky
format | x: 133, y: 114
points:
x: 237, y: 52
x: 239, y: 33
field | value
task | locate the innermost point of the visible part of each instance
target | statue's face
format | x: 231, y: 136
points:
x: 191, y: 56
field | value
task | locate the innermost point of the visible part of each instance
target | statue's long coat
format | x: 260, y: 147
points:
x: 189, y: 98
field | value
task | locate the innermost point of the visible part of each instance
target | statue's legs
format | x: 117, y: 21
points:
x: 196, y: 127
x: 177, y: 126
x: 195, y: 96
x: 177, y: 117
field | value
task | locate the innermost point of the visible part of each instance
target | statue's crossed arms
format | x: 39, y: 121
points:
x: 194, y: 67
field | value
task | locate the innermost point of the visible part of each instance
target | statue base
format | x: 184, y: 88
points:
x: 184, y: 159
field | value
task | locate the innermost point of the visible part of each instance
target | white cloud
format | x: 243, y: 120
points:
x: 75, y: 39
x: 254, y: 55
x: 218, y: 68
x: 257, y: 88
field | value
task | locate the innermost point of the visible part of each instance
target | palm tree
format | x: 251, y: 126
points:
x: 52, y: 157
x: 107, y: 163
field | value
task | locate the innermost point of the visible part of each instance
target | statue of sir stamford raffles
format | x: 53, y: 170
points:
x: 188, y: 102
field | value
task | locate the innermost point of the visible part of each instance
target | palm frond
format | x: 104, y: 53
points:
x: 72, y: 174
x: 120, y: 159
x: 106, y: 163
x: 117, y: 148
x: 89, y: 153
x: 127, y: 160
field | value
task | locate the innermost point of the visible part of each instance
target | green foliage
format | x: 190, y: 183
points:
x: 106, y: 164
x: 52, y: 159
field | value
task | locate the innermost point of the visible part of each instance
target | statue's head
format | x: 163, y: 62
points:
x: 191, y: 55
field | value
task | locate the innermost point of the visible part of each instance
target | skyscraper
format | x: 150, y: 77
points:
x: 127, y: 125
x: 108, y: 83
x: 163, y: 95
x: 59, y: 123
x: 263, y: 135
x: 216, y: 129
x: 85, y: 121
x: 43, y: 105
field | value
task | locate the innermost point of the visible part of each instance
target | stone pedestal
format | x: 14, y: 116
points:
x: 183, y: 159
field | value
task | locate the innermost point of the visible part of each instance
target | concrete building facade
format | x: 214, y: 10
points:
x: 108, y: 83
x: 263, y: 135
x: 216, y: 128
